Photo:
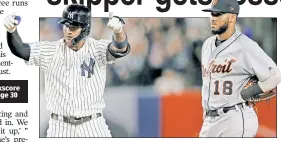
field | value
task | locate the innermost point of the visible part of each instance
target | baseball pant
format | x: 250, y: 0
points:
x: 240, y: 122
x: 96, y: 127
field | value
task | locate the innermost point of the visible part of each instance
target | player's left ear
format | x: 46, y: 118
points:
x: 232, y: 18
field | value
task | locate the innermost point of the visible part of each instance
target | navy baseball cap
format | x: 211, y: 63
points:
x: 225, y: 6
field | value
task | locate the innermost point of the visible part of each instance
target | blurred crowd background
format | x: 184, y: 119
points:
x: 164, y: 58
x: 165, y: 48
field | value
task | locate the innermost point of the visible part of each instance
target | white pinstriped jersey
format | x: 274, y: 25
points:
x: 75, y: 80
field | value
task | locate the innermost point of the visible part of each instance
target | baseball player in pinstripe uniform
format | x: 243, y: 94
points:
x: 75, y: 70
x: 229, y: 60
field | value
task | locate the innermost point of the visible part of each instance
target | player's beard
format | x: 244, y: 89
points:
x: 221, y: 29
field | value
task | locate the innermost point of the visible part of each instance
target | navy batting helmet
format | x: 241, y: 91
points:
x: 77, y: 15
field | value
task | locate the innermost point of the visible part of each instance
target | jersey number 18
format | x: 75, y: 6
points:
x: 226, y: 88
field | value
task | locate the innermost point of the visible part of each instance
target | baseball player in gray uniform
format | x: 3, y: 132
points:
x: 75, y: 70
x: 229, y: 59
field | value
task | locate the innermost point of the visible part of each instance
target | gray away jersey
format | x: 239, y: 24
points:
x: 75, y: 81
x: 228, y: 67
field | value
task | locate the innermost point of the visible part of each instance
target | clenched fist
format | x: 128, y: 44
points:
x: 115, y: 23
x: 11, y: 23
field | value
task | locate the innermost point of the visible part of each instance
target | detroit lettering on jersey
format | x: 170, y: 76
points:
x: 227, y: 68
x: 218, y: 68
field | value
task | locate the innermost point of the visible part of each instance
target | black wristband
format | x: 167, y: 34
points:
x: 120, y: 45
x: 118, y: 54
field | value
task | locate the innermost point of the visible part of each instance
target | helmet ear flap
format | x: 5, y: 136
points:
x: 87, y: 29
x: 84, y: 33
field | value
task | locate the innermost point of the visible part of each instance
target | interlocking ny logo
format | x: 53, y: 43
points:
x: 70, y: 15
x: 89, y: 69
